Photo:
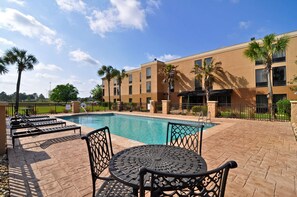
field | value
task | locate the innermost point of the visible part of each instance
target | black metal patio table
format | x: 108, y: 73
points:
x: 125, y: 165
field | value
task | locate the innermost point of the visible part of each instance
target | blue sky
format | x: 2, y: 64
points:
x: 72, y: 39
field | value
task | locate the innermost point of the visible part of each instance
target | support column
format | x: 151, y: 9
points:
x: 3, y: 134
x: 75, y: 106
x: 212, y: 109
x: 294, y: 117
x: 165, y: 106
x: 293, y: 112
x: 153, y: 106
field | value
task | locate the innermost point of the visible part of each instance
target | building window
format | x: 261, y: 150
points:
x: 208, y: 60
x: 130, y: 78
x: 279, y: 56
x: 130, y: 100
x: 261, y: 78
x: 140, y: 77
x: 148, y: 87
x: 148, y: 73
x: 259, y: 62
x: 279, y: 76
x: 278, y: 97
x: 198, y: 82
x: 148, y: 100
x: 276, y: 57
x: 114, y: 91
x: 261, y: 103
x: 140, y: 89
x: 130, y: 90
x: 103, y: 92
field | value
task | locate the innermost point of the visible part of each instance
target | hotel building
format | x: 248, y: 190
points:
x: 242, y: 82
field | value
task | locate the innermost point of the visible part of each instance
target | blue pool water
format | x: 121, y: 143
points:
x: 143, y: 129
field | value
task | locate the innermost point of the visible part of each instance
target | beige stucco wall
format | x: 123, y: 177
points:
x: 239, y: 75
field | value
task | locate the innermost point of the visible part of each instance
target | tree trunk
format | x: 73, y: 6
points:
x: 207, y: 95
x: 168, y: 96
x: 120, y: 96
x: 109, y: 94
x: 17, y: 99
x: 270, y: 92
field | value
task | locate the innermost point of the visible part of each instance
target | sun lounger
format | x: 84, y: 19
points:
x: 25, y: 120
x: 29, y: 117
x: 35, y: 124
x: 39, y: 131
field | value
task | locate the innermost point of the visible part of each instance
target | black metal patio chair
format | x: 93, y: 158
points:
x: 100, y: 152
x: 211, y: 183
x: 183, y: 135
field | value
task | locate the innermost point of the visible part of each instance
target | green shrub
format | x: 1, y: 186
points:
x: 284, y: 107
x: 196, y: 109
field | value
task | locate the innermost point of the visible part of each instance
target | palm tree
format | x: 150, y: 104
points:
x: 169, y: 73
x: 264, y: 51
x: 109, y: 73
x: 3, y: 68
x: 207, y: 72
x: 24, y: 62
x: 120, y: 75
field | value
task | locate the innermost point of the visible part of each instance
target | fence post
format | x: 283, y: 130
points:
x: 3, y: 127
x: 165, y: 106
x: 212, y: 108
x: 294, y: 112
x: 75, y: 106
x: 153, y: 107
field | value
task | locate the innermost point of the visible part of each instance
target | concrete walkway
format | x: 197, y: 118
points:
x: 266, y: 153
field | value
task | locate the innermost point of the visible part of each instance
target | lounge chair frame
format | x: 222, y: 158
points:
x: 38, y: 131
x: 35, y: 124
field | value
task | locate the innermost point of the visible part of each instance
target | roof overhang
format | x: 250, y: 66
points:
x: 225, y: 92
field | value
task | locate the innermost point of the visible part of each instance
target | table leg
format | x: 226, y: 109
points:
x: 135, y: 191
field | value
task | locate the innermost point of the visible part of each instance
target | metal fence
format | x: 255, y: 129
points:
x: 188, y: 108
x: 52, y: 108
x: 252, y: 112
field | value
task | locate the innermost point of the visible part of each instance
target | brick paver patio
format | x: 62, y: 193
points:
x: 266, y: 153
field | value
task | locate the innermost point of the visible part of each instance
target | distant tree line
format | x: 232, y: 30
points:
x: 23, y: 97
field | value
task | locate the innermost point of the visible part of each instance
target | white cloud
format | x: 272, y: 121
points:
x: 47, y: 67
x: 27, y: 25
x: 46, y: 76
x: 81, y: 56
x: 19, y: 2
x: 152, y: 5
x: 121, y: 14
x: 163, y: 58
x: 94, y: 81
x: 6, y: 42
x: 244, y: 24
x: 72, y: 5
x: 129, y: 68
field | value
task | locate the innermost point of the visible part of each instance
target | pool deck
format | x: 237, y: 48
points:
x: 266, y: 152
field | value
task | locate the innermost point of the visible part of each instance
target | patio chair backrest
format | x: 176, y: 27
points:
x: 183, y: 135
x: 211, y: 183
x: 100, y: 150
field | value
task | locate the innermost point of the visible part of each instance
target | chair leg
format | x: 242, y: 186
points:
x: 94, y: 186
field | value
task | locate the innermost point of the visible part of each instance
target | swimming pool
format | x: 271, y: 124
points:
x: 143, y: 129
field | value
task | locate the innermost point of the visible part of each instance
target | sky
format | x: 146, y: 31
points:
x: 72, y: 39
